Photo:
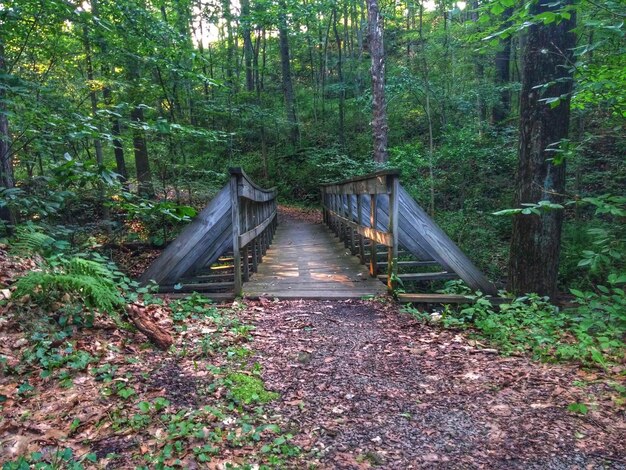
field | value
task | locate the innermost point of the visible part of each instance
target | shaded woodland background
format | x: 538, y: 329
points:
x: 117, y: 116
x: 118, y: 122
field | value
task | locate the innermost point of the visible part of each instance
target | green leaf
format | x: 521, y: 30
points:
x: 578, y: 408
x: 144, y: 406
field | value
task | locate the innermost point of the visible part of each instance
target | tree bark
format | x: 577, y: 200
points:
x: 6, y: 160
x: 342, y: 92
x: 536, y: 240
x: 141, y: 316
x: 377, y: 53
x: 116, y: 131
x: 140, y: 146
x: 501, y: 110
x: 290, y: 100
x: 247, y: 44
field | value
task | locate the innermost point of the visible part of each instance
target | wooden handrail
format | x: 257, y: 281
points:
x: 254, y: 219
x: 338, y: 207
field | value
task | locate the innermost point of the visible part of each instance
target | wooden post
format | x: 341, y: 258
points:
x: 323, y: 201
x: 392, y: 253
x: 373, y: 223
x: 359, y: 208
x: 234, y: 200
x: 351, y: 230
x: 246, y: 264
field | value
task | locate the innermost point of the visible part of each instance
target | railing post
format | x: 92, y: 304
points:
x: 235, y: 210
x: 359, y: 208
x: 373, y: 223
x: 392, y: 253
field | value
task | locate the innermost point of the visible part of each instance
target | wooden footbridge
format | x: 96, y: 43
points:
x: 372, y: 231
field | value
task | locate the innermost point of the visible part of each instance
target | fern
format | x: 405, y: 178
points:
x: 85, y: 280
x: 30, y: 241
x: 85, y: 267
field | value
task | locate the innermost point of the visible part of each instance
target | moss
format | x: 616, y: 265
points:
x: 248, y: 389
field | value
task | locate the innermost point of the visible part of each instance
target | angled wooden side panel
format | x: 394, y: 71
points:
x: 407, y: 236
x: 196, y: 244
x: 419, y: 222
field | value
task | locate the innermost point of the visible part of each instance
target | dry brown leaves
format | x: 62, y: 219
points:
x: 298, y: 213
x: 368, y: 386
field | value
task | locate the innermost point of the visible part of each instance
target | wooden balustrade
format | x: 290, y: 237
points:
x: 254, y: 220
x: 343, y: 207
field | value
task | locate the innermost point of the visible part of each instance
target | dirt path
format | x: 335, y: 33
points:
x: 362, y: 385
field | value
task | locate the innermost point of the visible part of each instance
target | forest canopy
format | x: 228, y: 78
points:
x: 120, y: 119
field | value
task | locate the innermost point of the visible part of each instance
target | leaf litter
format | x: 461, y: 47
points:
x: 360, y: 385
x: 367, y: 386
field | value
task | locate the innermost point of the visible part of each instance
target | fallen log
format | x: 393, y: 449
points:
x: 141, y: 318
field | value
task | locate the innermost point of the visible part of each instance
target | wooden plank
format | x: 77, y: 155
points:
x: 215, y: 296
x: 381, y: 237
x: 392, y: 259
x: 247, y: 237
x: 411, y: 240
x: 361, y: 241
x: 377, y: 174
x: 200, y: 287
x: 410, y: 264
x: 181, y: 255
x: 445, y: 248
x: 373, y: 249
x: 446, y: 299
x: 236, y: 230
x: 306, y: 261
x: 255, y: 194
x: 433, y: 299
x: 245, y: 180
x: 416, y: 277
x: 306, y: 295
x: 207, y: 278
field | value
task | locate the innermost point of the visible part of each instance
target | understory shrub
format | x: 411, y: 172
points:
x: 592, y: 333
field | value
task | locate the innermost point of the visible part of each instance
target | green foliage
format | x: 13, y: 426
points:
x: 55, y: 361
x: 60, y: 458
x: 247, y: 389
x: 591, y: 333
x: 157, y: 217
x: 30, y: 240
x: 77, y: 280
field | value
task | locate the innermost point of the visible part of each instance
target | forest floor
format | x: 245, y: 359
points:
x: 292, y: 384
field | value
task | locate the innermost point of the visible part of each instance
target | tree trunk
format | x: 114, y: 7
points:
x: 144, y: 176
x: 6, y: 161
x: 247, y: 44
x: 342, y: 92
x: 290, y: 100
x: 536, y: 240
x: 116, y: 132
x: 377, y: 53
x: 143, y: 318
x: 503, y: 77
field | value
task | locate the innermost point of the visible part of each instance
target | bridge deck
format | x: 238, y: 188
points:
x: 306, y: 261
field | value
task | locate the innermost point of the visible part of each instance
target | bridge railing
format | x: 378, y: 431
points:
x: 344, y: 211
x: 254, y: 220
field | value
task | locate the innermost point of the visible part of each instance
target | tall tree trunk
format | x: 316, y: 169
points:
x: 247, y: 44
x: 116, y: 131
x: 140, y: 146
x: 342, y: 92
x: 536, y: 240
x: 142, y: 163
x: 429, y: 114
x: 503, y: 77
x: 290, y: 99
x: 6, y: 161
x: 377, y: 53
x: 230, y: 45
x: 93, y: 97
